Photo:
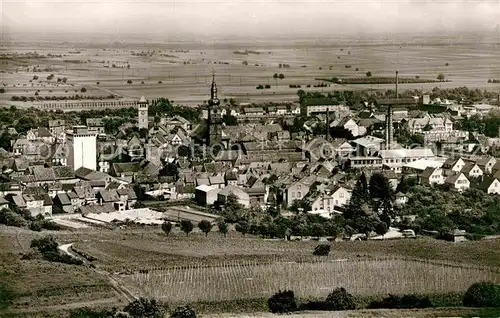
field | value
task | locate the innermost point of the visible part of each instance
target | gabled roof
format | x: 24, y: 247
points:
x: 63, y: 198
x: 143, y: 100
x: 486, y: 183
x: 428, y: 172
x: 454, y: 177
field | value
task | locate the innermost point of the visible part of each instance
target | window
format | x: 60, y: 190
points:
x: 299, y: 186
x: 293, y: 194
x: 299, y: 195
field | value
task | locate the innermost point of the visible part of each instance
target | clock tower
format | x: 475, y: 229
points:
x: 142, y: 106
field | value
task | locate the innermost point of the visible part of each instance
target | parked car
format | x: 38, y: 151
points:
x: 409, y: 234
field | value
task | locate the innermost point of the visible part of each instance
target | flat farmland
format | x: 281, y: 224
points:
x: 182, y: 71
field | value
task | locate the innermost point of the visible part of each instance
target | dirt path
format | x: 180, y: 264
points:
x: 115, y: 284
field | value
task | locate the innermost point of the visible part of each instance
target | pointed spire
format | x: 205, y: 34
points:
x: 214, y: 101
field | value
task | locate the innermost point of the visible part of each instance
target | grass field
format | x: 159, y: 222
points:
x: 42, y: 284
x: 184, y: 69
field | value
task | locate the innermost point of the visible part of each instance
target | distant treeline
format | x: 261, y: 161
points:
x: 376, y: 80
x: 246, y: 52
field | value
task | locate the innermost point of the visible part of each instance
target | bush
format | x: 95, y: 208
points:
x: 402, y: 302
x: 183, y: 312
x: 340, y: 299
x: 482, y: 294
x: 282, y: 302
x: 44, y: 244
x: 322, y: 250
x: 35, y: 226
x: 10, y: 218
x: 144, y: 307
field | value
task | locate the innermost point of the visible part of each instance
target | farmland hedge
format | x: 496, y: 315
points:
x: 183, y: 312
x: 282, y: 302
x: 402, y: 302
x: 482, y: 294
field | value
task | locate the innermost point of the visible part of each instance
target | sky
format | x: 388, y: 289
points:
x: 246, y: 18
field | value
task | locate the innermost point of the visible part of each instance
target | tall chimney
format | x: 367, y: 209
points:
x: 327, y: 122
x: 397, y: 95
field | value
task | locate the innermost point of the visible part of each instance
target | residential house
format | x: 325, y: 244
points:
x: 432, y: 175
x: 338, y: 197
x: 95, y: 126
x: 57, y: 129
x: 458, y: 182
x: 217, y: 181
x: 486, y: 164
x: 454, y: 165
x: 41, y: 134
x: 472, y: 170
x: 490, y: 185
x: 241, y: 195
x: 295, y: 191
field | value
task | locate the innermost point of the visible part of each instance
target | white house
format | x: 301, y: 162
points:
x: 340, y: 196
x: 432, y: 176
x: 455, y: 165
x: 472, y: 170
x: 487, y: 164
x: 490, y: 185
x: 458, y: 182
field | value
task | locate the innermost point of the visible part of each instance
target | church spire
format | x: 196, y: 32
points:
x: 214, y: 101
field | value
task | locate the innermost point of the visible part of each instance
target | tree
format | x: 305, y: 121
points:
x: 281, y: 76
x: 381, y: 228
x: 369, y: 74
x: 64, y: 79
x: 129, y: 82
x: 144, y: 308
x: 83, y: 90
x: 2, y: 90
x: 380, y: 187
x: 282, y: 302
x: 482, y: 294
x: 441, y: 77
x: 229, y: 120
x: 340, y: 299
x: 242, y: 227
x: 222, y: 228
x: 205, y: 226
x: 166, y: 227
x: 183, y: 312
x: 427, y: 127
x: 186, y: 226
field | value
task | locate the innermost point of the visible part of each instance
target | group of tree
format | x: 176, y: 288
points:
x: 487, y: 125
x: 371, y: 205
x: 139, y: 308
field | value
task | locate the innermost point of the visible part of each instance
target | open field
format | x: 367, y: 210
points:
x: 184, y: 69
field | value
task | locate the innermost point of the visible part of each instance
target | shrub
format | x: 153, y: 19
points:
x: 340, y: 299
x: 166, y: 227
x: 183, y: 312
x: 35, y: 226
x: 402, y: 302
x: 282, y: 302
x: 144, y: 307
x: 483, y: 294
x: 10, y: 218
x: 2, y: 90
x: 322, y: 250
x: 45, y: 244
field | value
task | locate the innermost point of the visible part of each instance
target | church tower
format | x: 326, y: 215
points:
x: 212, y: 102
x: 142, y: 106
